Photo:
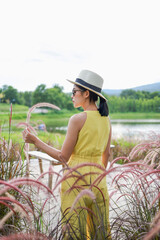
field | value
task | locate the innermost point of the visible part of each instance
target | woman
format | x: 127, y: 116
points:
x: 87, y: 141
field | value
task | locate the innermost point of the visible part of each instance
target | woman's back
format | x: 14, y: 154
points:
x: 92, y: 139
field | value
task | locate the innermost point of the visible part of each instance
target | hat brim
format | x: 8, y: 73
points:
x: 99, y: 94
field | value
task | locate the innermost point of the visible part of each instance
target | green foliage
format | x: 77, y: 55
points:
x: 19, y: 112
x: 39, y: 94
x: 122, y: 148
x: 10, y: 94
x: 130, y: 93
x: 53, y: 95
x: 128, y: 101
x: 26, y: 98
x: 134, y: 101
x: 122, y: 104
x: 135, y: 115
x: 4, y: 108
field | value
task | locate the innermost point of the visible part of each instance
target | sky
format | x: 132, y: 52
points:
x: 49, y: 41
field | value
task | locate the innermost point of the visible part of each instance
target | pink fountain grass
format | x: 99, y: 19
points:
x: 23, y: 181
x: 18, y: 186
x: 43, y: 104
x: 85, y: 192
x: 27, y: 125
x: 50, y: 172
x: 25, y: 236
x: 28, y: 206
x: 71, y: 173
x: 10, y: 160
x: 10, y: 167
x: 118, y: 168
x: 138, y: 186
x: 155, y: 224
x: 8, y: 199
x: 15, y: 206
x: 81, y: 177
x: 117, y: 159
x: 136, y: 195
x: 84, y: 208
x: 7, y: 205
x: 38, y: 105
x: 31, y: 129
x: 149, y: 151
x: 155, y: 200
x: 155, y: 229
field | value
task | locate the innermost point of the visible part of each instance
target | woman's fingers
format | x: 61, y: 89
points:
x: 26, y: 135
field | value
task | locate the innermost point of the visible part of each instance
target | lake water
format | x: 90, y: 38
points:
x: 136, y: 129
x: 132, y: 128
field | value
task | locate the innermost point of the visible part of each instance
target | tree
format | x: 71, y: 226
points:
x: 154, y: 94
x: 10, y: 94
x: 59, y: 88
x: 128, y: 93
x: 39, y: 95
x: 26, y: 98
x: 59, y: 98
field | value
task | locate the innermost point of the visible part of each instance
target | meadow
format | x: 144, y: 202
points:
x: 56, y: 118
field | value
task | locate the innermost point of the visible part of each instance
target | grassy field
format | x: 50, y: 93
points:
x: 135, y: 115
x: 5, y: 108
x: 20, y: 111
x: 55, y: 118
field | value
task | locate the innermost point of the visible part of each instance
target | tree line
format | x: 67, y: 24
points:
x: 135, y: 101
x: 54, y: 95
x: 128, y: 101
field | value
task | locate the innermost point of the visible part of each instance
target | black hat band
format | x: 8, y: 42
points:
x: 97, y: 89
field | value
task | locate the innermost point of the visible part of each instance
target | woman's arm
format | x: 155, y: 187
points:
x: 106, y: 153
x: 63, y: 155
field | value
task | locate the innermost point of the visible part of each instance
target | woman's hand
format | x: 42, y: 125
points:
x: 29, y: 137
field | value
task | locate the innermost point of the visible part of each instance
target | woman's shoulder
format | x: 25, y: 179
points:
x: 79, y: 116
x: 78, y: 119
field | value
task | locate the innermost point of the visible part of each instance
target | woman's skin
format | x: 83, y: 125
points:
x: 76, y: 122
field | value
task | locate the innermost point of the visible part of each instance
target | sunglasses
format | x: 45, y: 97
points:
x: 76, y: 90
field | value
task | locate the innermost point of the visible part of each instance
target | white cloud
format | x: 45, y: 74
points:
x: 49, y: 41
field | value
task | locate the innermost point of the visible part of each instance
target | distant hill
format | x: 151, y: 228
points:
x: 149, y: 87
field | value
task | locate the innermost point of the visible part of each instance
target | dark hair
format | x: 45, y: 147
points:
x: 103, y: 106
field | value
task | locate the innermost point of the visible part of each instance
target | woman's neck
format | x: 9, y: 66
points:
x: 90, y: 107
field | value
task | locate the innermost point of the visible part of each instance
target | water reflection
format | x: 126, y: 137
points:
x: 135, y: 131
x: 155, y: 121
x: 138, y: 129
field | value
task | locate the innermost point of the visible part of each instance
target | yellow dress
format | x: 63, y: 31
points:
x: 89, y: 219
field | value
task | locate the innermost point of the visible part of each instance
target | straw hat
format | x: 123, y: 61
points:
x: 91, y: 81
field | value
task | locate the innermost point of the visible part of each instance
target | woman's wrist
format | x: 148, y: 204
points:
x: 35, y: 140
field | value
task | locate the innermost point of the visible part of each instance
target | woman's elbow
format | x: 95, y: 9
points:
x: 62, y: 158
